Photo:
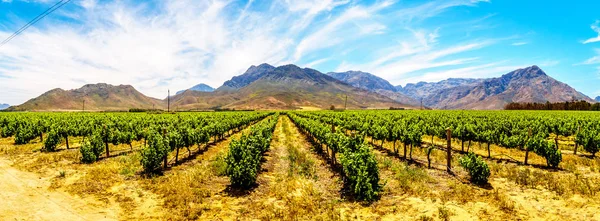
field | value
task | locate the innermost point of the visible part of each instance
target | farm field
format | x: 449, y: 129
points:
x: 304, y: 165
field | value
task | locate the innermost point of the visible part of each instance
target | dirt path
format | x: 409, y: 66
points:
x: 25, y: 196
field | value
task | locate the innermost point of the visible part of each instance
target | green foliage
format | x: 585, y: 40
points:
x: 152, y: 155
x: 52, y: 140
x: 360, y: 167
x: 87, y: 153
x: 243, y: 158
x: 242, y: 163
x: 589, y: 138
x: 477, y: 168
x: 546, y: 149
x: 92, y: 149
x: 357, y: 159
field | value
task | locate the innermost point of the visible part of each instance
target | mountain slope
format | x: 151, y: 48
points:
x: 4, y: 106
x: 199, y: 87
x: 288, y: 87
x: 363, y: 80
x: 523, y: 85
x: 424, y: 89
x: 97, y: 97
x: 597, y: 99
x: 373, y: 83
x: 252, y: 74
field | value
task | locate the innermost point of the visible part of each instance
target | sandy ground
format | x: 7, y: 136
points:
x: 279, y: 194
x: 25, y: 196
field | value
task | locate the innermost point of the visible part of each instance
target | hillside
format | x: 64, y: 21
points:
x: 597, y: 99
x: 4, y: 106
x: 426, y: 89
x: 252, y: 74
x: 286, y: 87
x: 523, y: 85
x: 375, y: 84
x: 363, y: 80
x: 96, y: 96
x: 199, y: 87
x: 292, y: 87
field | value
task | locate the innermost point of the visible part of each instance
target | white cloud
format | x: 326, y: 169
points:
x: 338, y: 29
x: 519, y: 43
x: 478, y: 71
x: 314, y: 63
x: 178, y: 46
x: 160, y: 45
x: 592, y: 60
x: 416, y: 56
x: 596, y: 28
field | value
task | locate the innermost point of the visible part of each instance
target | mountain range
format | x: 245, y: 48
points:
x: 4, y: 106
x: 529, y: 84
x: 94, y: 97
x: 291, y: 87
x: 284, y: 87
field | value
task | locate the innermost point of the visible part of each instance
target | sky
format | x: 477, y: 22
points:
x: 160, y: 45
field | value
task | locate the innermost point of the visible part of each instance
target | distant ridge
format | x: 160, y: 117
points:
x: 252, y: 74
x: 96, y: 96
x: 199, y: 87
x: 291, y: 87
x: 4, y: 106
x: 375, y: 84
x: 529, y: 84
x: 284, y: 87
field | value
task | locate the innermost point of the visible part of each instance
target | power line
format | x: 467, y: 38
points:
x: 35, y: 20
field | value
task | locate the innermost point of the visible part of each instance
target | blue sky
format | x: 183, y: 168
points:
x: 160, y: 45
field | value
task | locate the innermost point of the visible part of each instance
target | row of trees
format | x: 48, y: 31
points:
x: 568, y: 105
x: 524, y: 131
x: 244, y: 156
x: 359, y: 165
x: 100, y: 130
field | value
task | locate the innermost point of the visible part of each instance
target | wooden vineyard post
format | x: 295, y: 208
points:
x: 449, y: 149
x: 575, y: 150
x: 332, y: 150
x: 105, y: 141
x: 526, y: 148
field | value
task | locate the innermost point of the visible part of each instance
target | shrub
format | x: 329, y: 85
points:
x: 477, y: 168
x: 152, y: 155
x: 87, y: 153
x: 242, y: 163
x: 243, y: 159
x: 360, y: 167
x: 24, y: 134
x: 51, y: 141
x: 91, y: 150
x: 546, y: 149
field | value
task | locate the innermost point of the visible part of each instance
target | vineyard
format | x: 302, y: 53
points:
x: 325, y: 165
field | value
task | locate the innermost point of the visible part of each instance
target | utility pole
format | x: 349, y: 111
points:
x: 168, y: 100
x: 346, y: 102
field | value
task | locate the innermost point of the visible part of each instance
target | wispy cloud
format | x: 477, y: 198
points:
x: 477, y: 71
x: 519, y: 43
x: 332, y: 32
x: 596, y: 28
x: 416, y: 56
x: 592, y: 60
x: 159, y: 45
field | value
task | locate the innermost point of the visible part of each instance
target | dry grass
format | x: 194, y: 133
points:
x: 298, y: 184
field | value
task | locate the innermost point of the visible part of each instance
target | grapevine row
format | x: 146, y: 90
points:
x: 360, y: 170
